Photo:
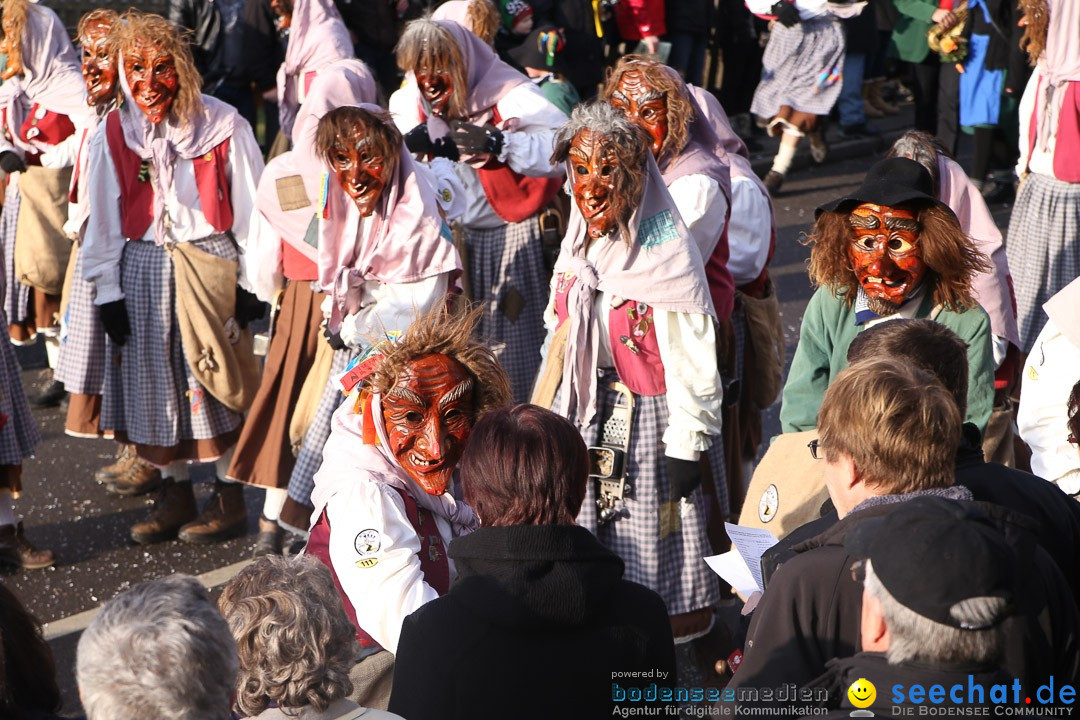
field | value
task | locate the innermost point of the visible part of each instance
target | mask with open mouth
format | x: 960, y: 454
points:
x: 429, y: 414
x: 885, y: 255
x: 98, y: 63
x: 593, y: 176
x: 644, y: 106
x: 436, y: 88
x: 154, y: 80
x: 362, y: 171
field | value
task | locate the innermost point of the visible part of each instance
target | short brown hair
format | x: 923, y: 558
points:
x: 897, y: 423
x: 680, y: 111
x: 295, y: 642
x: 1074, y: 411
x: 525, y: 466
x: 930, y: 345
x: 139, y: 28
x: 376, y: 125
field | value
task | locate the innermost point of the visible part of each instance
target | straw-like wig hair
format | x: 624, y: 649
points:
x: 138, y: 28
x: 898, y: 424
x: 1038, y: 25
x: 441, y: 332
x: 629, y: 143
x: 101, y: 15
x: 14, y: 16
x: 951, y: 257
x: 680, y: 112
x: 295, y: 643
x: 483, y: 17
x: 427, y: 45
x: 376, y: 126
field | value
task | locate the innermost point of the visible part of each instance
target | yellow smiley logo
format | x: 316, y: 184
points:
x: 862, y: 693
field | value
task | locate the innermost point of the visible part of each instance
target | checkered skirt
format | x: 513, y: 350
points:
x: 16, y: 295
x: 1043, y: 249
x: 150, y: 392
x: 81, y: 365
x: 302, y: 481
x: 508, y: 278
x: 663, y: 545
x: 797, y: 67
x: 20, y: 434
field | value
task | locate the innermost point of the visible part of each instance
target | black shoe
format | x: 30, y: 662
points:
x: 773, y: 180
x: 50, y: 396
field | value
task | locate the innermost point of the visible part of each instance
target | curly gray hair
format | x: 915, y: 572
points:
x: 160, y: 650
x: 295, y: 642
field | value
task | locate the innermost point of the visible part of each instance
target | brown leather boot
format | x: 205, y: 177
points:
x: 124, y: 455
x: 224, y: 516
x: 174, y: 507
x: 139, y: 478
x: 17, y: 551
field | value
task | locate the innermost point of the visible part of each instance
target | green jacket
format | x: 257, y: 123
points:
x: 828, y: 327
x: 908, y: 40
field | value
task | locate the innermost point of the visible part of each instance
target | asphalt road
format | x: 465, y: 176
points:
x: 65, y: 510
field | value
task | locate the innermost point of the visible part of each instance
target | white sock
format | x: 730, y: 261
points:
x: 52, y: 349
x: 178, y: 471
x: 221, y: 465
x: 784, y: 156
x: 275, y: 498
x: 7, y: 509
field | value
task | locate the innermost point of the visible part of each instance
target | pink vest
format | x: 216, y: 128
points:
x: 433, y: 559
x: 632, y: 334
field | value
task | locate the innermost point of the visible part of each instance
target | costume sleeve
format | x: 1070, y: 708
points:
x: 749, y: 231
x: 448, y: 186
x: 1049, y: 375
x: 246, y: 166
x: 1027, y: 108
x: 383, y: 593
x: 404, y: 106
x: 387, y: 307
x: 527, y: 148
x: 62, y: 154
x: 918, y: 9
x: 980, y: 368
x: 703, y: 208
x: 103, y: 244
x: 810, y: 370
x: 687, y: 343
x: 260, y: 264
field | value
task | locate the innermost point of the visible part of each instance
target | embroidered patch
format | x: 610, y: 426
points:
x: 670, y: 519
x: 768, y: 505
x: 367, y: 542
x: 195, y: 398
x: 311, y: 235
x: 367, y: 563
x: 291, y: 193
x: 512, y: 303
x: 657, y: 230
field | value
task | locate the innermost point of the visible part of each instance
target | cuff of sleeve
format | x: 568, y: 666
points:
x: 1069, y: 482
x: 107, y: 287
x: 509, y: 140
x: 350, y: 334
x: 684, y: 445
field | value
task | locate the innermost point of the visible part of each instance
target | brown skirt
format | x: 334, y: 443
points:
x: 84, y: 416
x: 264, y: 454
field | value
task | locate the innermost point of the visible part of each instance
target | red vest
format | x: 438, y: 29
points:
x: 1067, y: 137
x: 137, y: 194
x: 433, y: 559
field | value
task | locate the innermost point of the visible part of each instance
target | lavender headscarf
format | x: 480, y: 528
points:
x: 317, y: 38
x: 660, y: 266
x: 345, y: 82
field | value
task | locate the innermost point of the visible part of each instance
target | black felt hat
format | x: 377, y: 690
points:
x: 891, y: 182
x: 544, y: 48
x: 931, y: 553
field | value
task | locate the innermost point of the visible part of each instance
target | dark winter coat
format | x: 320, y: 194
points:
x: 537, y: 625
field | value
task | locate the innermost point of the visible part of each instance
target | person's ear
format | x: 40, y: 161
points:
x: 874, y: 633
x: 854, y: 476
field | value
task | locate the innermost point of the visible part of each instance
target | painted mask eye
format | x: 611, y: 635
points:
x: 899, y: 245
x: 866, y: 242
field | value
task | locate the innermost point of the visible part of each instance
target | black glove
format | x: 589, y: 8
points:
x: 444, y: 147
x: 683, y: 476
x: 786, y: 13
x: 248, y: 307
x: 333, y: 339
x: 417, y: 140
x: 114, y: 318
x: 476, y: 140
x: 10, y: 162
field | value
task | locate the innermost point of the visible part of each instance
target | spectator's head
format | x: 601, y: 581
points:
x: 1074, y: 415
x: 928, y: 344
x: 886, y: 428
x: 525, y: 466
x: 99, y: 68
x: 923, y: 148
x: 283, y: 12
x: 158, y: 69
x: 542, y: 52
x: 605, y: 153
x: 433, y: 385
x: 27, y: 669
x: 654, y: 97
x: 516, y: 16
x: 296, y: 644
x: 429, y: 50
x: 891, y: 239
x: 362, y: 147
x: 938, y: 582
x: 160, y: 650
x: 480, y: 17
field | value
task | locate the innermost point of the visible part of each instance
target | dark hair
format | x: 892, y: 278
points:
x: 525, y: 465
x: 930, y: 345
x: 27, y: 668
x: 1074, y: 410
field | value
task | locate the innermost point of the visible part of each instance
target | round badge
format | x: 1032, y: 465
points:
x: 768, y: 505
x: 367, y: 542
